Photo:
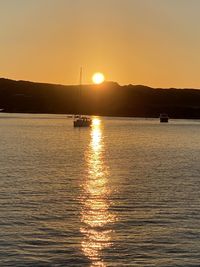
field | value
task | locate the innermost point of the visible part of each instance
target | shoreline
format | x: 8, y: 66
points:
x: 98, y: 115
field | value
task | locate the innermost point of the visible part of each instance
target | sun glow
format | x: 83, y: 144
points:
x: 96, y: 122
x: 98, y: 78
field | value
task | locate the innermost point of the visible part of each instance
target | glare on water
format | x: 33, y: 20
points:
x: 95, y: 200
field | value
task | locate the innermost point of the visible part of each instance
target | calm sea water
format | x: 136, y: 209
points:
x: 124, y: 193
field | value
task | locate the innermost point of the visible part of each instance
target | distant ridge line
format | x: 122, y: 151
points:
x: 108, y: 99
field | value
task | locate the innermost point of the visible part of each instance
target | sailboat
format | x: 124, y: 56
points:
x: 164, y: 117
x: 80, y: 120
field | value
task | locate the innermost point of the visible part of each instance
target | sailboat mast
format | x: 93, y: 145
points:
x: 80, y: 88
x: 81, y: 74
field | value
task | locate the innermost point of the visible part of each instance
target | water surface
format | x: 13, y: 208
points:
x: 125, y: 192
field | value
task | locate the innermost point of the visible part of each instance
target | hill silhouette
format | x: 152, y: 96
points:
x: 108, y: 99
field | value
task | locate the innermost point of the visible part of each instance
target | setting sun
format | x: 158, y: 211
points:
x: 98, y: 78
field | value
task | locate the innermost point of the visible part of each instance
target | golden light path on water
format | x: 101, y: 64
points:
x: 96, y: 216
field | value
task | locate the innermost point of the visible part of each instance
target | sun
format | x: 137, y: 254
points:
x: 98, y: 78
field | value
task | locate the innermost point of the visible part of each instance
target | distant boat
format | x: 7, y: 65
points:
x: 164, y: 117
x: 79, y: 120
x: 82, y: 121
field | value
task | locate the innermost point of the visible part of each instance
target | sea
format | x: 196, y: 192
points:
x: 124, y: 192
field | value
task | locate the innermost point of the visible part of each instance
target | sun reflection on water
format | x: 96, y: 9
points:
x: 95, y: 215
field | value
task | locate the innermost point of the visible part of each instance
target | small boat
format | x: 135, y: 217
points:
x: 79, y: 120
x: 82, y: 121
x: 164, y: 117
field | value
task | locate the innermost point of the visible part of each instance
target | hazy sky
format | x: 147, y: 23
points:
x: 151, y: 42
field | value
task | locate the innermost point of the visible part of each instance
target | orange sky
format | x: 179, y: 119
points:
x: 150, y: 42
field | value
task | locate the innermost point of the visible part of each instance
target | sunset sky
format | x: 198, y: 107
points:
x: 150, y: 42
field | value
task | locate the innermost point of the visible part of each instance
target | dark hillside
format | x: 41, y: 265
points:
x: 105, y: 99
